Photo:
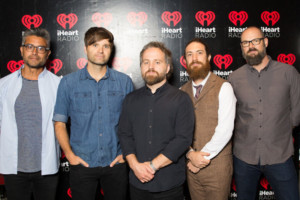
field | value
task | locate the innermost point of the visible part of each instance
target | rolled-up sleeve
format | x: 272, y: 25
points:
x: 61, y: 109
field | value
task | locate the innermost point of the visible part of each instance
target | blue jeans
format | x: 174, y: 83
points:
x: 282, y: 178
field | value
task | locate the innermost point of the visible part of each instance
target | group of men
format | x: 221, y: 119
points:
x: 167, y: 135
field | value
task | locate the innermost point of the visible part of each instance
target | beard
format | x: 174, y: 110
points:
x: 256, y: 59
x: 198, y: 72
x: 36, y: 65
x: 152, y: 79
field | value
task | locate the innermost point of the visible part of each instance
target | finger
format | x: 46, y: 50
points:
x: 113, y: 162
x: 83, y: 162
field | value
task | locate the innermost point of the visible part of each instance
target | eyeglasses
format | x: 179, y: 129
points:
x: 255, y: 41
x: 40, y: 49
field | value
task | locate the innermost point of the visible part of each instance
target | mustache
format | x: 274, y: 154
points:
x: 252, y: 49
x: 196, y: 62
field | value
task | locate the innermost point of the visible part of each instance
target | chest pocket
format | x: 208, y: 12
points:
x: 115, y: 100
x: 82, y: 102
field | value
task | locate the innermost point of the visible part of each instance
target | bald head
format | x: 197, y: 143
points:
x: 252, y: 31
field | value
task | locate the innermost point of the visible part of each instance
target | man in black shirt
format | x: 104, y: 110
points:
x: 155, y: 130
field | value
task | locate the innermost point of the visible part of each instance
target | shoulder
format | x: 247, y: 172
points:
x: 119, y: 75
x: 8, y: 78
x: 186, y: 86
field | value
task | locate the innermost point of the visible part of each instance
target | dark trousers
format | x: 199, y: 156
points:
x: 173, y: 194
x: 113, y: 181
x: 282, y: 178
x: 21, y: 186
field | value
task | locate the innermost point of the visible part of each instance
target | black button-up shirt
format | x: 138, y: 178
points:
x: 153, y: 124
x: 268, y: 106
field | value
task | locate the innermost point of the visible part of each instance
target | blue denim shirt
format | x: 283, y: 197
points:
x: 94, y: 109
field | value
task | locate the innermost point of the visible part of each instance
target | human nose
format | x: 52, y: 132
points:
x: 35, y: 50
x: 194, y: 57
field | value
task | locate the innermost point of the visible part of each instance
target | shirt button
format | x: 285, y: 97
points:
x: 260, y: 113
x: 259, y: 88
x: 260, y: 100
x: 100, y: 134
x: 259, y: 138
x: 99, y: 107
x: 150, y: 110
x: 150, y: 142
x: 150, y: 126
x: 259, y: 75
x: 260, y: 126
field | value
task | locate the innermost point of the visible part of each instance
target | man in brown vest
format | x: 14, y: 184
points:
x: 210, y: 156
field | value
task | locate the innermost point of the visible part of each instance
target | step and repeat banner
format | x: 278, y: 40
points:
x: 134, y: 23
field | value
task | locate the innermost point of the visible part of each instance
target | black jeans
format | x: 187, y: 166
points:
x: 21, y: 186
x: 113, y: 181
x: 173, y: 194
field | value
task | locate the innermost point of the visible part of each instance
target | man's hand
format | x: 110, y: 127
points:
x: 197, y: 158
x: 143, y: 171
x: 76, y: 160
x: 118, y: 159
x: 192, y: 168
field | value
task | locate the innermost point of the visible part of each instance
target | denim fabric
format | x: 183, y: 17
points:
x: 282, y: 178
x: 94, y: 109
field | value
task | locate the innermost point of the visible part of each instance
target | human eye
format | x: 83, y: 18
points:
x: 29, y: 46
x: 106, y: 46
x: 256, y: 41
x: 41, y: 49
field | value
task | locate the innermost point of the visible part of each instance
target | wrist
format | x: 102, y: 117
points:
x: 189, y: 153
x: 153, y: 167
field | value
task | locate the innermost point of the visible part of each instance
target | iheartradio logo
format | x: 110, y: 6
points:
x: 264, y: 183
x: 13, y: 66
x: 182, y: 62
x: 104, y: 18
x: 81, y: 62
x: 289, y: 59
x: 121, y: 64
x: 169, y: 17
x: 54, y: 65
x: 209, y: 17
x: 224, y: 61
x: 268, y: 17
x: 35, y: 20
x: 63, y: 20
x: 235, y: 16
x: 139, y: 18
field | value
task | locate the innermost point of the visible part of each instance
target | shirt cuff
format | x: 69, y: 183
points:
x: 60, y: 118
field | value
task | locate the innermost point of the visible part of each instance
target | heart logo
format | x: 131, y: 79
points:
x: 264, y: 183
x: 13, y: 66
x: 54, y: 65
x: 209, y: 17
x: 81, y: 62
x: 289, y: 59
x: 175, y: 17
x: 235, y: 16
x: 182, y: 61
x: 64, y: 19
x: 225, y: 60
x: 139, y: 18
x: 121, y: 64
x: 104, y: 18
x: 35, y: 20
x: 270, y: 16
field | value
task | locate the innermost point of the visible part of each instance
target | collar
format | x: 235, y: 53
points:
x: 158, y: 90
x: 42, y: 74
x: 264, y: 69
x: 84, y: 74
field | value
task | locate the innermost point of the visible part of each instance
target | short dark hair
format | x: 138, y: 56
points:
x: 39, y: 32
x: 95, y: 34
x: 164, y: 49
x: 199, y: 41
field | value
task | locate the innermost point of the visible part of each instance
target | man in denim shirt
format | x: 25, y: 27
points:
x: 92, y: 97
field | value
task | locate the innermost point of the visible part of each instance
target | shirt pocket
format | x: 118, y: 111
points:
x: 115, y: 100
x: 82, y: 102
